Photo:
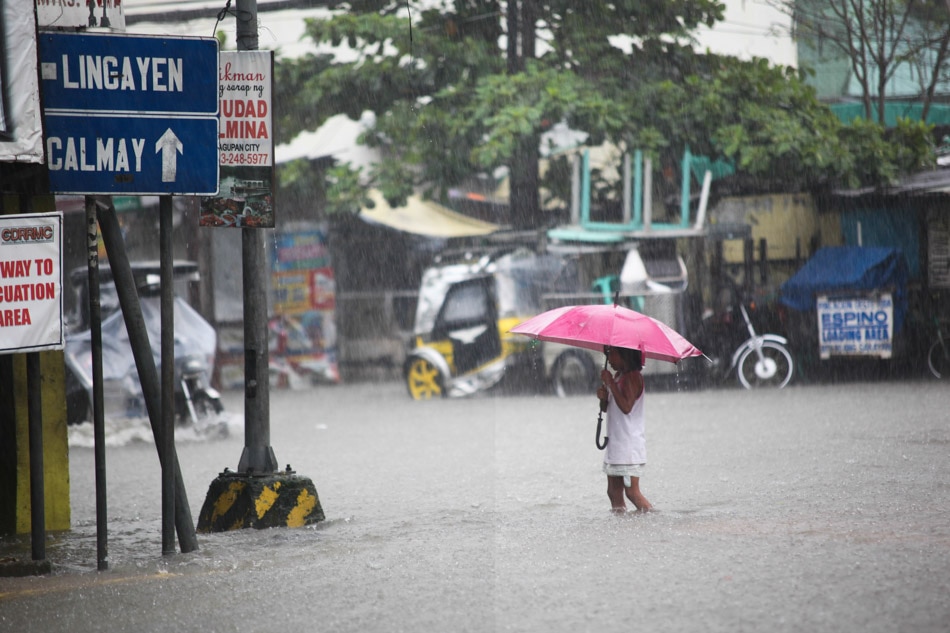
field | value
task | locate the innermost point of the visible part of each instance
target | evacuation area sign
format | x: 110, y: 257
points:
x: 130, y: 114
x: 31, y: 282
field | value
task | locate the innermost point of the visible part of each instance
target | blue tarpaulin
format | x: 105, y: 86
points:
x: 837, y: 270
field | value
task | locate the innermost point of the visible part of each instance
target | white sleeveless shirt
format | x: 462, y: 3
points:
x: 626, y: 433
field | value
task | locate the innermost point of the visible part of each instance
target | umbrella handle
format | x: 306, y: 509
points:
x: 597, y: 437
x: 600, y: 415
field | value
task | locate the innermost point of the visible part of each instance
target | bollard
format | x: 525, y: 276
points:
x: 243, y: 500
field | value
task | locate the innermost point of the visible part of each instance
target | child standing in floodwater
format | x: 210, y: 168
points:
x: 621, y: 397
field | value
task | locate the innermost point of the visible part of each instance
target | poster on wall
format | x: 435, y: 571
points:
x: 31, y: 282
x: 21, y: 130
x: 245, y: 143
x: 303, y: 333
x: 856, y: 326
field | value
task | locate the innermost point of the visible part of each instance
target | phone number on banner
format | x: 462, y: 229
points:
x: 242, y: 158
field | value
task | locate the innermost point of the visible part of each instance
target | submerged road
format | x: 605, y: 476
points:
x: 814, y: 508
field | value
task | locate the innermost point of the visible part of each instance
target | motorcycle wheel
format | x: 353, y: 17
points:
x: 774, y: 370
x: 573, y: 375
x: 938, y: 360
x: 423, y: 380
x: 206, y: 408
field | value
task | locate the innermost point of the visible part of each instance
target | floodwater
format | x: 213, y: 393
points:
x: 813, y: 508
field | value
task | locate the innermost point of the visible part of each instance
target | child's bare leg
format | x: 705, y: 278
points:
x: 615, y: 492
x: 636, y: 497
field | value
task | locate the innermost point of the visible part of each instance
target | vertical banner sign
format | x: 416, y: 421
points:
x: 245, y: 143
x: 21, y: 130
x: 31, y: 282
x: 856, y: 327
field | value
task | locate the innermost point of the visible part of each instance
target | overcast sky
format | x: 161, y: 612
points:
x: 751, y: 27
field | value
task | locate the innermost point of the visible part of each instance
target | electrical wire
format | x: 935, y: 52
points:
x: 223, y: 12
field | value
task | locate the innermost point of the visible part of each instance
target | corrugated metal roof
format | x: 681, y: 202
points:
x: 933, y: 181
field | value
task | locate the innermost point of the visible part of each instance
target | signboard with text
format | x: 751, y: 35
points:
x: 130, y: 114
x: 856, y: 326
x: 245, y: 143
x: 938, y: 249
x: 31, y: 282
x: 118, y: 155
x: 64, y: 14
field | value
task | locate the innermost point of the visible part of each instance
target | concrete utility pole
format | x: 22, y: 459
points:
x: 257, y: 495
x: 258, y: 456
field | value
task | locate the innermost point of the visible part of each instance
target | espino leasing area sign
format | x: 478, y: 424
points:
x: 856, y: 326
x: 130, y: 114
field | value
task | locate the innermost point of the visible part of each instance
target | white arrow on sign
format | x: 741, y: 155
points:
x: 170, y: 147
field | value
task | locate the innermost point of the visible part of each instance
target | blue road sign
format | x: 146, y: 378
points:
x: 104, y: 72
x: 130, y: 114
x: 116, y: 155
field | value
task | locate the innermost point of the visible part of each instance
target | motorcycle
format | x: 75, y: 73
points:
x: 196, y: 402
x: 195, y: 399
x: 758, y: 360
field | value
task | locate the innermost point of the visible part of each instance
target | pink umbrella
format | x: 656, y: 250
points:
x: 593, y: 326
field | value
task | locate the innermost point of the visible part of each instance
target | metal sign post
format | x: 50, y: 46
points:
x: 258, y: 456
x: 144, y: 362
x: 98, y: 409
x: 133, y: 114
x: 291, y: 500
x: 168, y: 373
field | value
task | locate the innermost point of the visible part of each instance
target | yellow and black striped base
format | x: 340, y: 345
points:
x: 236, y: 501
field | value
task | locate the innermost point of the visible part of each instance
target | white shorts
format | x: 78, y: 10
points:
x: 624, y: 470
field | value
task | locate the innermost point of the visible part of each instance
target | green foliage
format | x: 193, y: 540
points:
x: 301, y: 184
x: 878, y: 155
x: 625, y: 72
x: 345, y: 193
x: 445, y: 104
x: 913, y: 145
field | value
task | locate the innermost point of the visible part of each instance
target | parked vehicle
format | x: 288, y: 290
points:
x: 734, y: 347
x: 195, y: 399
x: 647, y: 277
x: 462, y: 344
x: 852, y: 304
x: 938, y: 354
x: 196, y: 402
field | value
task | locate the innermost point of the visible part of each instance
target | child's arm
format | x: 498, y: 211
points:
x: 627, y: 390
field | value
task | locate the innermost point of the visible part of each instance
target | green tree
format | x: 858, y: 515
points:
x: 877, y: 38
x: 453, y: 97
x: 768, y: 122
